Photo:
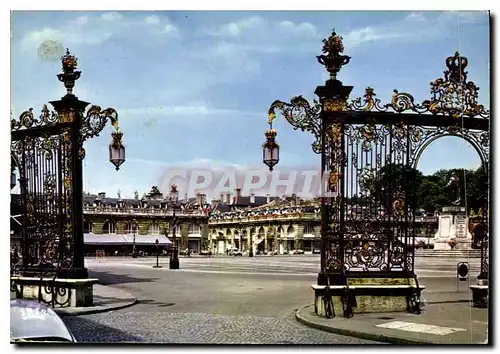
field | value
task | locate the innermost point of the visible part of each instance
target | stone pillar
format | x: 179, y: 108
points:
x: 184, y: 226
x: 299, y: 236
x: 249, y: 239
x: 265, y: 239
x: 204, y: 236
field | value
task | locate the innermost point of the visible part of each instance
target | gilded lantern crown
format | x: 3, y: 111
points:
x: 456, y: 68
x: 116, y: 139
x: 271, y: 133
x: 332, y: 59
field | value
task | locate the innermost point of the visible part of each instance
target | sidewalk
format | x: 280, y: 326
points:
x: 106, y: 298
x: 445, y: 320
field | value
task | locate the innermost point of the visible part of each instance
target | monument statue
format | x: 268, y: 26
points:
x: 454, y: 185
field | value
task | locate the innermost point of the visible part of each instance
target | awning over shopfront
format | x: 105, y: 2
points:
x: 125, y: 239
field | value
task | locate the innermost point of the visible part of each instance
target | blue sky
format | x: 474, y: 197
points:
x: 194, y: 87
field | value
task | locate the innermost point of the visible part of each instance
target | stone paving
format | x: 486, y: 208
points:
x: 226, y: 300
x: 198, y: 328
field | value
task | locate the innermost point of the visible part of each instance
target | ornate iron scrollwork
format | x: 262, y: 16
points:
x: 301, y: 115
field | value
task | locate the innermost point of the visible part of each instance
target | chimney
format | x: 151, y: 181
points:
x: 199, y: 197
x: 238, y: 194
x: 203, y: 198
x: 228, y: 198
x: 222, y: 197
x: 252, y: 198
x: 268, y: 198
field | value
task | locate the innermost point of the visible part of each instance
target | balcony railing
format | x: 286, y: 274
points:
x: 140, y: 211
x: 254, y: 218
x: 294, y: 216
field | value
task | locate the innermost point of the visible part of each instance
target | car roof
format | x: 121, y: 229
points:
x: 31, y: 319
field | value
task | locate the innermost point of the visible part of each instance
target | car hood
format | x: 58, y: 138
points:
x: 30, y: 320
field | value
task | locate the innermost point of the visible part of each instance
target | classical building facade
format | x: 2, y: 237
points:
x: 278, y: 225
x: 116, y: 219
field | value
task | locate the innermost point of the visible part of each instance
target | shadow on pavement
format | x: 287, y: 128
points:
x: 107, y: 278
x: 88, y: 331
x: 103, y: 300
x: 153, y: 302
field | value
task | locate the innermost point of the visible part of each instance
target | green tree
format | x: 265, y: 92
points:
x: 398, y: 178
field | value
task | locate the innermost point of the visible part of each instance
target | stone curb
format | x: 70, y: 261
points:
x: 354, y: 333
x: 63, y: 312
x: 127, y: 301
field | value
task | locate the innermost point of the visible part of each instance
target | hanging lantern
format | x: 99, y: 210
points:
x: 12, y: 179
x: 270, y: 149
x: 116, y: 149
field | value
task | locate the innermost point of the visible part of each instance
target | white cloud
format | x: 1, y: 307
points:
x: 112, y: 16
x: 236, y: 28
x: 195, y: 110
x: 415, y: 27
x: 259, y: 28
x: 82, y: 21
x: 152, y: 20
x: 94, y: 30
x: 301, y: 29
x: 171, y: 30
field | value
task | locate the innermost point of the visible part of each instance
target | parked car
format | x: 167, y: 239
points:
x: 316, y: 251
x: 297, y: 252
x: 31, y: 321
x: 206, y: 253
x: 235, y: 252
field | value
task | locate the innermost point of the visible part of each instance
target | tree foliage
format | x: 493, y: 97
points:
x: 430, y: 192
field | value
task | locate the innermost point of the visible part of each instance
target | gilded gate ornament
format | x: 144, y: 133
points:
x: 334, y: 105
x: 369, y: 225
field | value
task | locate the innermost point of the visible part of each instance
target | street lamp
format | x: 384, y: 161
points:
x: 157, y: 254
x: 116, y: 149
x: 270, y: 149
x: 173, y: 197
x: 134, y: 229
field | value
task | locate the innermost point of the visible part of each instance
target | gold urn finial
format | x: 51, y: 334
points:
x: 332, y: 59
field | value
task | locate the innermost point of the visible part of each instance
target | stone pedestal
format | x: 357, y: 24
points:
x: 369, y: 295
x: 480, y: 293
x: 56, y: 292
x: 453, y: 224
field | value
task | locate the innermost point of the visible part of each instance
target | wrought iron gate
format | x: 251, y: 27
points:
x: 41, y: 151
x: 369, y: 151
x: 47, y: 152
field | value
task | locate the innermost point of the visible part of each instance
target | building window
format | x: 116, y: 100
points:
x: 309, y: 229
x: 131, y: 228
x: 290, y: 230
x: 88, y: 227
x: 194, y: 228
x: 154, y: 229
x: 109, y: 228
